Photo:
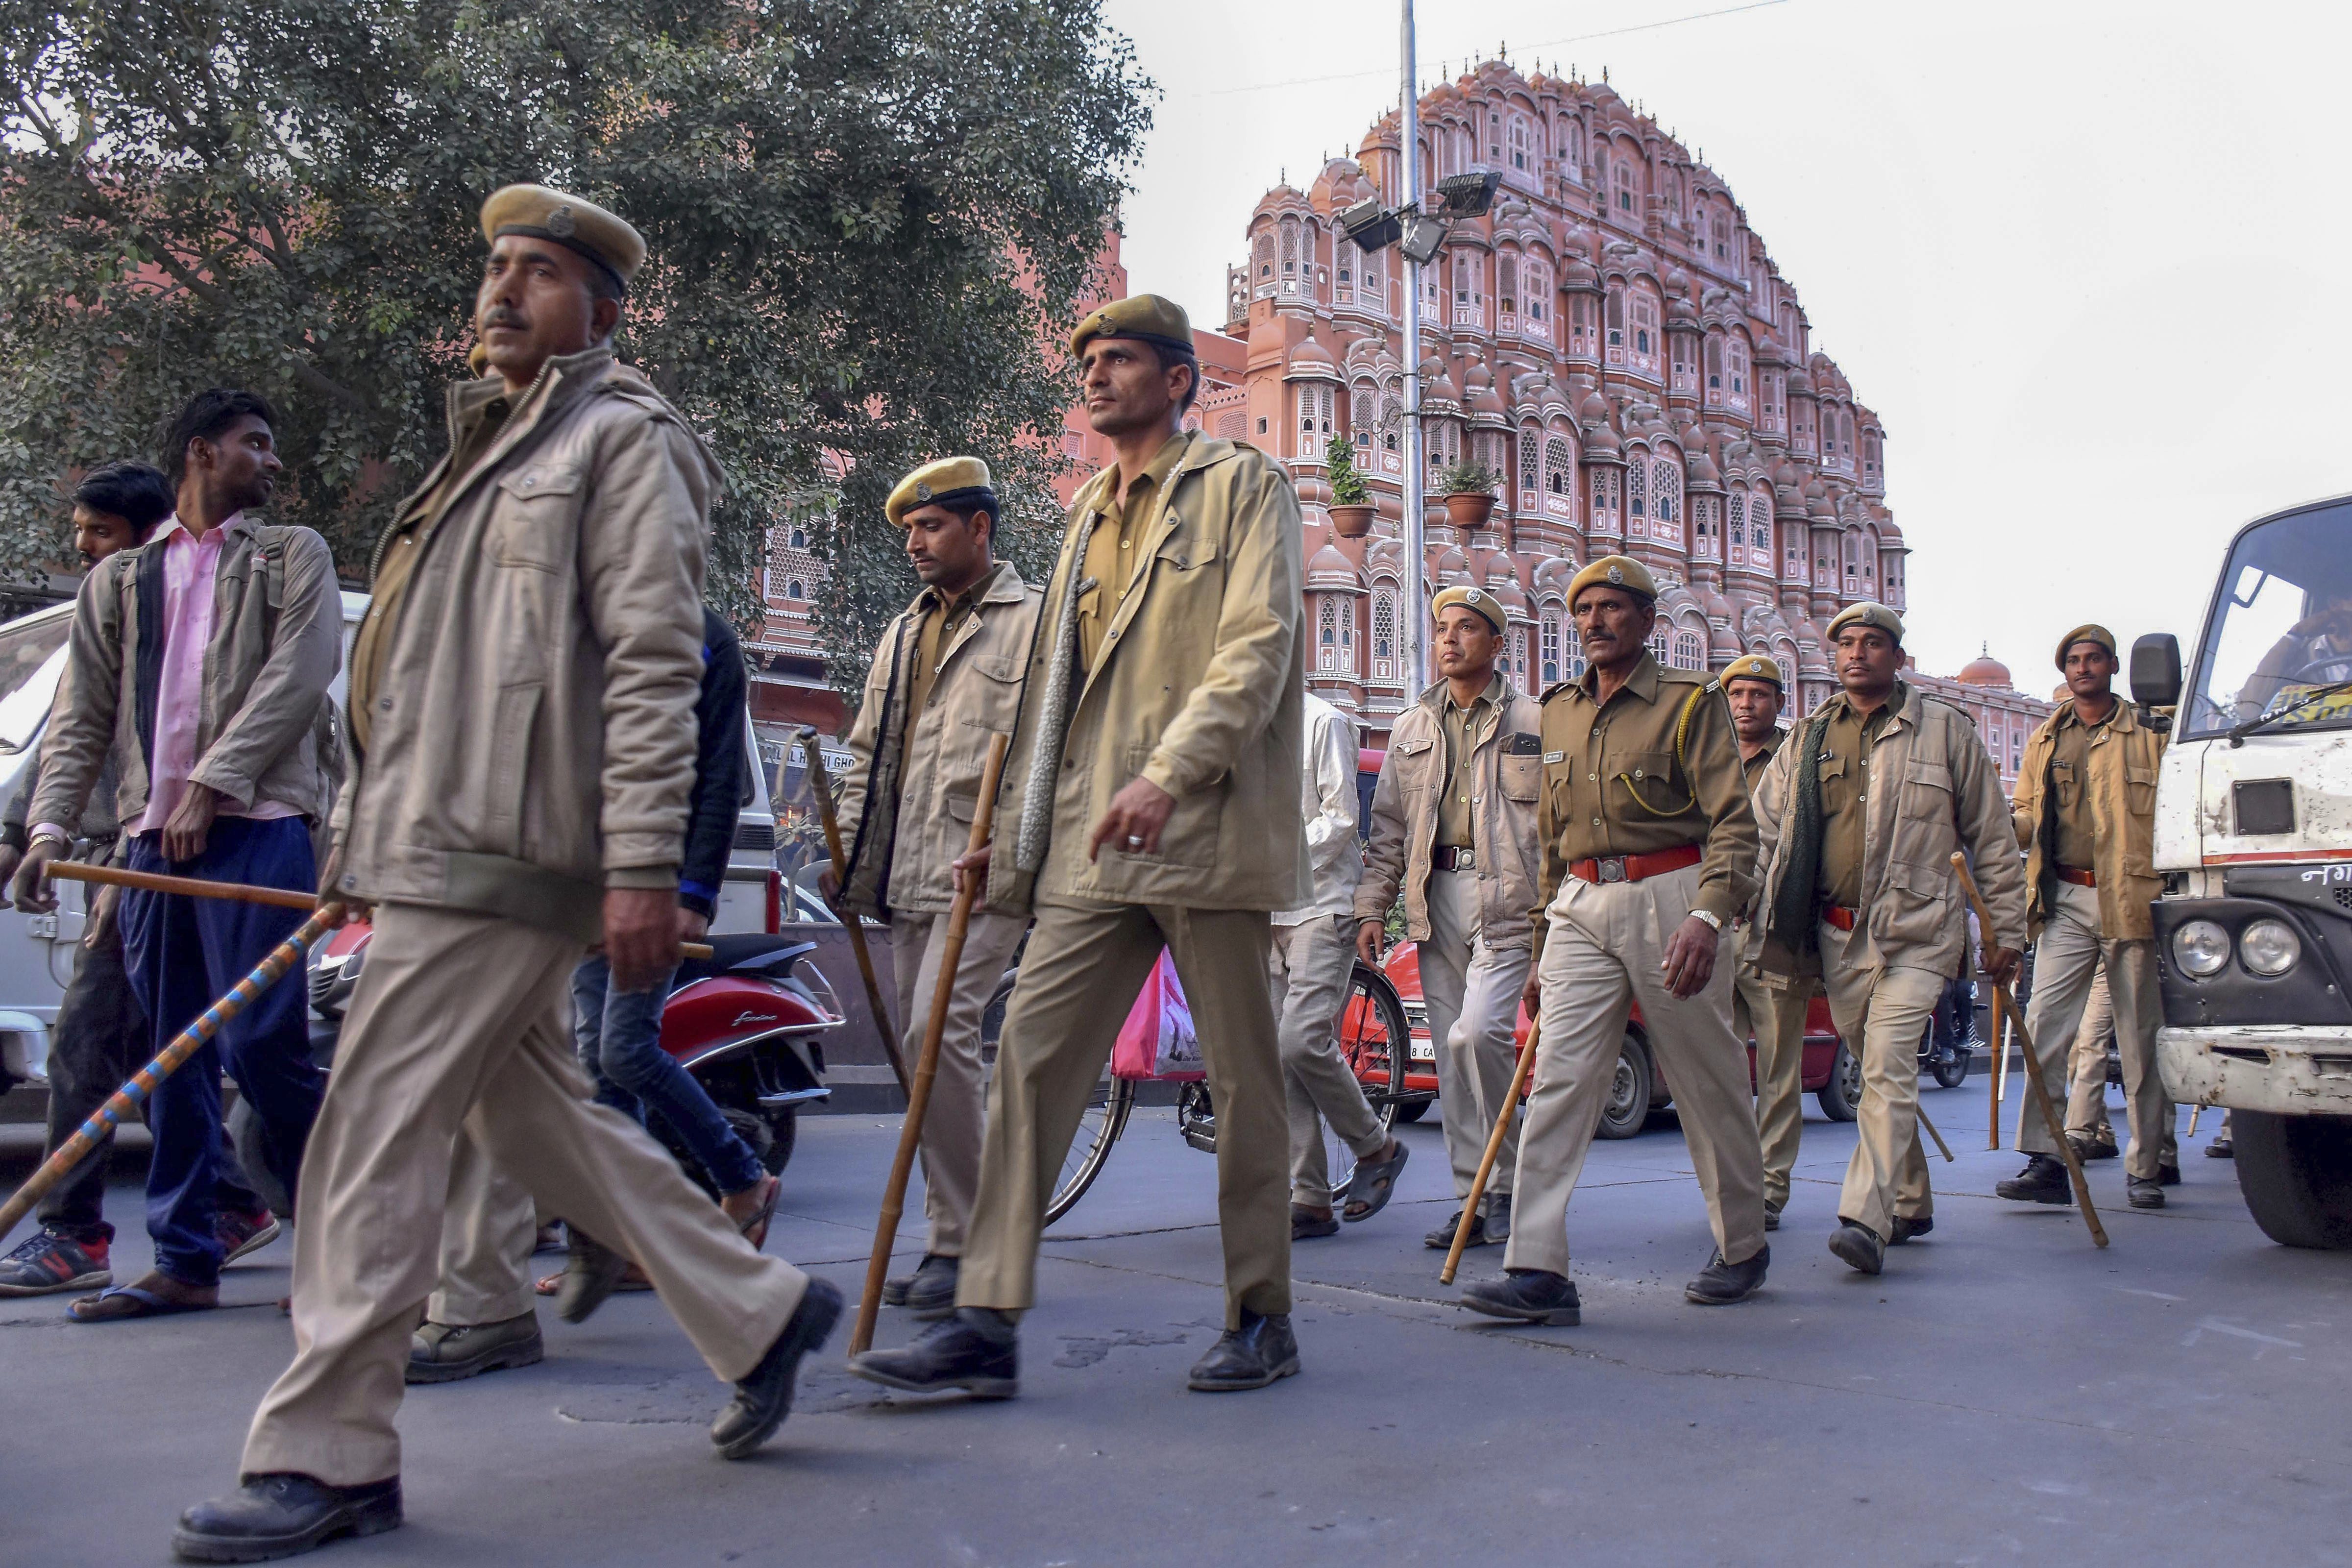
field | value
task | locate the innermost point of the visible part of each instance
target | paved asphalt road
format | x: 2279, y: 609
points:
x: 2004, y: 1393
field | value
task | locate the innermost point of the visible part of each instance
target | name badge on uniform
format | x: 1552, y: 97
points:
x: 1551, y: 757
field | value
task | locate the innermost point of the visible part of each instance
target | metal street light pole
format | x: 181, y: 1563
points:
x: 1414, y: 612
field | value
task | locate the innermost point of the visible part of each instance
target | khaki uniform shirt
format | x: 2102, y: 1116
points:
x: 1461, y: 729
x: 477, y: 430
x: 1112, y: 558
x: 1845, y: 797
x: 1614, y: 786
x: 2075, y: 833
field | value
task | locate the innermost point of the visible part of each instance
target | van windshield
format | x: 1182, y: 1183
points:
x: 2279, y: 650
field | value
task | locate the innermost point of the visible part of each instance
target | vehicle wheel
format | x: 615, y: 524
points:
x: 1841, y: 1097
x: 1628, y: 1105
x: 2296, y: 1174
x: 1413, y: 1110
x: 1951, y: 1067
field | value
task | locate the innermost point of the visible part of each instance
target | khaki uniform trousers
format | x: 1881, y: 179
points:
x: 1881, y: 1014
x: 2069, y: 949
x: 1602, y: 952
x: 457, y: 1029
x: 958, y: 1115
x: 1312, y: 964
x: 1774, y: 1015
x: 1473, y: 993
x: 1086, y: 964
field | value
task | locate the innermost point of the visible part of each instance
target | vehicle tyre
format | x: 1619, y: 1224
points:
x: 1841, y: 1097
x: 2296, y: 1174
x: 1628, y: 1105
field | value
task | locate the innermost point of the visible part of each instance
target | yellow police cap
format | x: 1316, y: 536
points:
x: 943, y: 482
x: 1753, y: 667
x: 2088, y: 632
x: 1148, y: 317
x: 1867, y: 613
x: 1614, y: 572
x: 577, y: 225
x: 1484, y: 603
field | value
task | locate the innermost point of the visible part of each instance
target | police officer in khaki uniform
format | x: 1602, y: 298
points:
x: 1649, y: 848
x: 946, y: 678
x: 1861, y: 817
x: 1150, y: 803
x: 1770, y: 1012
x: 1453, y: 824
x: 2085, y: 814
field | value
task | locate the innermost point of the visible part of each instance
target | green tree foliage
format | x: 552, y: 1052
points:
x: 860, y: 214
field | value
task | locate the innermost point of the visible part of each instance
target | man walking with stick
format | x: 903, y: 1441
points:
x: 1150, y: 803
x: 522, y: 698
x: 945, y: 677
x: 200, y: 661
x: 1649, y: 850
x: 1453, y: 824
x: 1860, y: 820
x: 2085, y: 814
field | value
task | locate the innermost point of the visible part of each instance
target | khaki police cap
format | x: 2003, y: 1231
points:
x: 942, y: 483
x: 1754, y: 667
x: 2088, y: 632
x: 579, y: 225
x: 1484, y: 603
x: 1147, y: 317
x: 1867, y: 613
x: 1614, y: 572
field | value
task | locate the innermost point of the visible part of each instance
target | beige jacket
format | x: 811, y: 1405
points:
x: 1508, y: 757
x: 903, y: 833
x: 2123, y: 756
x: 1935, y: 791
x: 534, y: 733
x: 1197, y: 688
x: 277, y: 642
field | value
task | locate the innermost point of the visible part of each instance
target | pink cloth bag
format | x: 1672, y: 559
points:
x: 1158, y: 1039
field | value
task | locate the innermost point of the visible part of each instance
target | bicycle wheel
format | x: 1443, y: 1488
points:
x: 1373, y: 1042
x: 1105, y: 1118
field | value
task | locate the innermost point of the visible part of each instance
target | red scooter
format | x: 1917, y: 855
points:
x: 748, y: 1022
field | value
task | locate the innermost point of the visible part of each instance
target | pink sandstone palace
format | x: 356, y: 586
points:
x: 1615, y: 341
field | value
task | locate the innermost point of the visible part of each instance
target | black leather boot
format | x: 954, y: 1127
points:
x: 1528, y: 1295
x: 1261, y: 1351
x: 974, y: 1349
x: 764, y: 1396
x: 283, y: 1515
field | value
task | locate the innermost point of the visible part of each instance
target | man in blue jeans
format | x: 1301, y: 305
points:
x: 199, y: 660
x: 481, y: 1318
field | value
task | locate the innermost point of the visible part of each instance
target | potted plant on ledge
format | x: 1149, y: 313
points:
x: 1469, y: 492
x: 1351, y: 499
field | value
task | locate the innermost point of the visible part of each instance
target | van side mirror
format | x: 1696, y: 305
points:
x: 2156, y: 670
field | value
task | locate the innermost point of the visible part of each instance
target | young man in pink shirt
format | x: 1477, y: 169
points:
x: 202, y: 659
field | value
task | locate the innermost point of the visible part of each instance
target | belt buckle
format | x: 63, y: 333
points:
x: 1611, y: 868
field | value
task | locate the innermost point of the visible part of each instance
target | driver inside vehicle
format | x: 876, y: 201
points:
x: 2314, y: 653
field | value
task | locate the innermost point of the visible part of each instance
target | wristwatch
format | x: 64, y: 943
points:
x: 1714, y: 920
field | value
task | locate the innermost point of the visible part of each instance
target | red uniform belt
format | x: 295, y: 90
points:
x: 1635, y: 867
x: 2080, y: 877
x: 1840, y: 916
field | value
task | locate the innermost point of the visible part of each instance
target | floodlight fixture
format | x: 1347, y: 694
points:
x: 1468, y: 195
x: 1423, y: 237
x: 1372, y: 227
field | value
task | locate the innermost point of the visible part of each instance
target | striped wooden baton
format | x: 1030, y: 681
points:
x: 133, y: 1095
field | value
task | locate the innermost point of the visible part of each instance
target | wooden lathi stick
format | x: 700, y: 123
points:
x: 1494, y: 1148
x: 853, y: 923
x: 926, y: 1064
x: 2033, y: 1070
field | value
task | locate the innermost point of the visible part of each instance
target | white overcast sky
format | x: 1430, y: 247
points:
x: 2083, y: 259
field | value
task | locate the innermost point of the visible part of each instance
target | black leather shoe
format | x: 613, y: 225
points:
x: 929, y: 1291
x: 2143, y: 1193
x: 1906, y: 1228
x: 764, y: 1398
x: 445, y: 1352
x: 952, y: 1353
x: 2043, y: 1181
x: 1528, y: 1295
x: 592, y: 1272
x: 1441, y: 1239
x: 1720, y: 1284
x: 1263, y: 1351
x: 1858, y: 1247
x: 283, y: 1515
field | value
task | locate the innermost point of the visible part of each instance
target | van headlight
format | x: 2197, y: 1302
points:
x: 2269, y: 947
x: 2200, y: 948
